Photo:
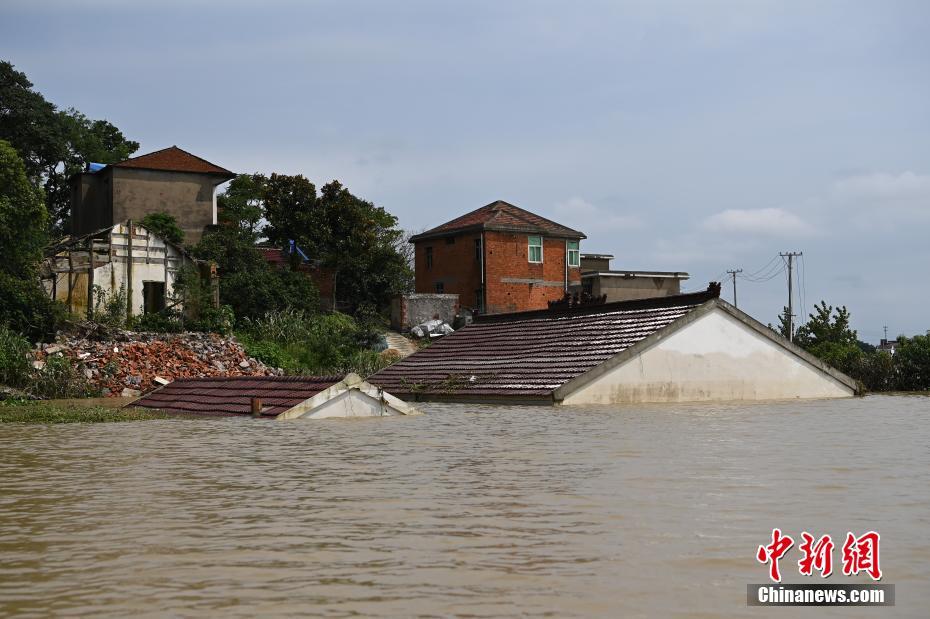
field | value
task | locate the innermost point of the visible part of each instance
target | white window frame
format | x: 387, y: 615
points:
x: 570, y: 251
x: 530, y: 246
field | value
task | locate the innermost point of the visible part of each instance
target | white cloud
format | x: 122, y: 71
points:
x: 773, y: 222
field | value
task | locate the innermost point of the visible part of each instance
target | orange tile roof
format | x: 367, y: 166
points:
x: 502, y: 216
x: 174, y: 159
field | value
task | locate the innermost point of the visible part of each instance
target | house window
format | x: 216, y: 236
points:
x: 440, y: 287
x: 535, y: 253
x: 429, y: 258
x: 478, y: 250
x: 153, y: 295
x: 574, y: 254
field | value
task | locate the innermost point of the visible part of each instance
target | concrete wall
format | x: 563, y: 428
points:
x: 622, y: 288
x: 91, y: 208
x: 186, y: 196
x: 715, y: 358
x: 409, y: 310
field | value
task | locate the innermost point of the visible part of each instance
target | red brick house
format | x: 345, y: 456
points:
x: 499, y: 258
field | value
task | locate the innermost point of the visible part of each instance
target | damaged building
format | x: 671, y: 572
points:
x: 82, y: 272
x: 677, y: 348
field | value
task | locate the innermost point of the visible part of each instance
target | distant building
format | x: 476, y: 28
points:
x: 170, y: 181
x: 324, y: 278
x: 598, y: 279
x: 888, y: 346
x: 499, y: 258
x: 679, y: 348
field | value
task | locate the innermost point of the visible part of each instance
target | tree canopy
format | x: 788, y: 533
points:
x: 54, y: 144
x: 24, y: 306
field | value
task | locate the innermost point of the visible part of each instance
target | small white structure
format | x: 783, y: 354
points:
x: 350, y: 397
x: 124, y: 257
x: 278, y: 397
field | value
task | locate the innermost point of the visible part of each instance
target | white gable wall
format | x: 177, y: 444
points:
x: 714, y: 358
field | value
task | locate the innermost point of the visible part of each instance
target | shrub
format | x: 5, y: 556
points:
x: 15, y: 368
x: 60, y: 378
x: 110, y: 309
x: 165, y: 321
x: 164, y: 226
x: 27, y: 309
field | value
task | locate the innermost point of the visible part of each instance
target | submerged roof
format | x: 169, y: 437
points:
x: 174, y: 159
x: 528, y: 355
x: 232, y: 395
x: 504, y: 217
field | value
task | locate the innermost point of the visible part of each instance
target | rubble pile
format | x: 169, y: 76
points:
x: 130, y: 364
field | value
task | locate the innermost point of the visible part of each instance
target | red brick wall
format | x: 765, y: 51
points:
x: 454, y: 265
x: 506, y: 258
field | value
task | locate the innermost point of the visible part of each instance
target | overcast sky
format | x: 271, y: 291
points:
x: 687, y: 136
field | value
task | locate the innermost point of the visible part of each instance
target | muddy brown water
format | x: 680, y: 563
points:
x: 478, y: 511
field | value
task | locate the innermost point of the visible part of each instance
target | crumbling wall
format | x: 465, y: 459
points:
x: 409, y: 310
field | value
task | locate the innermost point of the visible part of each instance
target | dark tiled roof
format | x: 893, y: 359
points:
x: 233, y: 395
x: 174, y: 159
x: 530, y: 354
x: 501, y: 216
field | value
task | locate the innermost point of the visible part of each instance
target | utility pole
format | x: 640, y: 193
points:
x: 733, y: 273
x: 790, y: 255
x: 886, y: 333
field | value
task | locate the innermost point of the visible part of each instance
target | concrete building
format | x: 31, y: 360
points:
x: 169, y: 181
x: 123, y: 257
x: 278, y: 397
x: 598, y: 279
x: 680, y: 348
x: 499, y: 258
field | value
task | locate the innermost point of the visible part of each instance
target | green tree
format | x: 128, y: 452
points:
x: 292, y: 210
x: 912, y: 363
x: 355, y: 239
x: 247, y: 283
x: 24, y: 306
x: 54, y: 144
x: 164, y: 226
x: 241, y: 204
x: 827, y: 326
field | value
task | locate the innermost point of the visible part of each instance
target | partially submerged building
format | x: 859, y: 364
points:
x: 279, y: 397
x: 599, y: 280
x: 498, y: 258
x: 689, y: 347
x: 171, y: 181
x: 123, y: 258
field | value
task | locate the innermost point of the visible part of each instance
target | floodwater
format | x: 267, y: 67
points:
x: 479, y: 511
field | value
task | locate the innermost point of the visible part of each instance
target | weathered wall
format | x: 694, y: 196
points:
x: 618, y: 288
x: 456, y: 266
x: 409, y: 310
x: 514, y: 284
x: 91, y: 209
x: 153, y: 260
x: 186, y: 196
x: 715, y: 358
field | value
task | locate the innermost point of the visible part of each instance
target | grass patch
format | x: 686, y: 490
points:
x: 50, y: 412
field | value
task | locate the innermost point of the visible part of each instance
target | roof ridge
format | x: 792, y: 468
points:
x: 692, y: 298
